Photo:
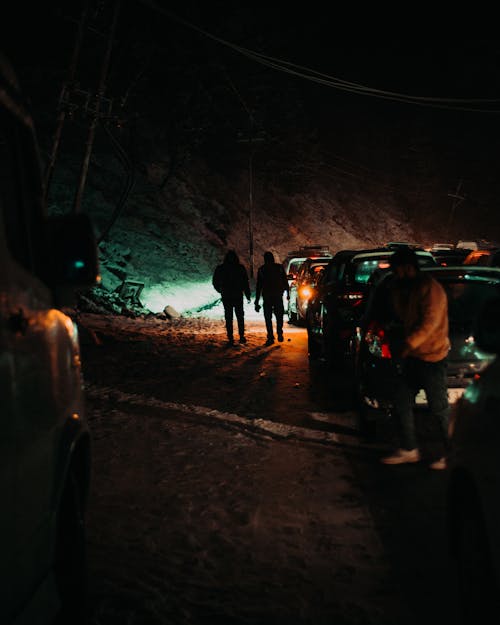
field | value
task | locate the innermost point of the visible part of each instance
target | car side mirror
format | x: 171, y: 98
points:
x: 71, y: 252
x: 487, y: 327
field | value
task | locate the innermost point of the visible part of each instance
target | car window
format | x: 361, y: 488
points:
x: 303, y: 271
x: 294, y: 267
x: 466, y: 298
x: 426, y: 260
x: 18, y: 200
x: 363, y: 270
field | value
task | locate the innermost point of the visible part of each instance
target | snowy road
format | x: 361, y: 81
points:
x: 229, y: 488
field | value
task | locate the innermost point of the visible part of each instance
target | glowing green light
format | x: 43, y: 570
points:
x: 183, y: 297
x: 79, y: 264
x: 471, y: 393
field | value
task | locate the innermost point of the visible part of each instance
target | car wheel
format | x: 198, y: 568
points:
x: 313, y: 347
x: 333, y: 357
x: 70, y: 565
x: 478, y: 592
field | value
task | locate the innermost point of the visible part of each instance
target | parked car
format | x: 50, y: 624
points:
x: 339, y: 299
x: 302, y: 288
x: 294, y: 259
x: 436, y: 247
x: 394, y: 245
x: 44, y: 439
x: 479, y: 257
x: 478, y: 244
x: 494, y: 259
x: 468, y: 288
x: 473, y: 488
x: 447, y: 258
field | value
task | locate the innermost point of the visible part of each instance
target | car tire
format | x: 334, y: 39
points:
x: 477, y: 590
x: 70, y: 566
x: 313, y: 347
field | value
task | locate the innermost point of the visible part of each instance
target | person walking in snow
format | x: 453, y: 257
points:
x: 420, y: 305
x: 271, y: 284
x: 230, y: 279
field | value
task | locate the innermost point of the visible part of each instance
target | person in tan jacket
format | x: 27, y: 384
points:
x: 420, y: 304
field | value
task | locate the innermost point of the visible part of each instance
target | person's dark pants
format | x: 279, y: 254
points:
x: 234, y: 303
x: 418, y: 374
x: 273, y: 305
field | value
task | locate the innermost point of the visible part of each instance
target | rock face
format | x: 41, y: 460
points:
x: 170, y: 239
x: 210, y: 152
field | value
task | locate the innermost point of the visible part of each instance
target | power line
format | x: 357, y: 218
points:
x: 447, y: 103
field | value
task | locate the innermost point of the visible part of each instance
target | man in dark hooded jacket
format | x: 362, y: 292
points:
x: 271, y: 284
x: 230, y: 279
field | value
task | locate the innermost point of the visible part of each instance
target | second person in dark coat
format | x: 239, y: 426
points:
x: 271, y: 284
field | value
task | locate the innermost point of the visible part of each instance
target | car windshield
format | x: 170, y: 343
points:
x: 368, y: 270
x: 295, y: 266
x: 466, y: 298
x: 363, y: 270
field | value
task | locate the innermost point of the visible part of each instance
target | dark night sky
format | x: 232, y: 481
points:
x: 419, y: 57
x: 161, y: 63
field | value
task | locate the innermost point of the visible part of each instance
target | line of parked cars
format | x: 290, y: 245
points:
x: 339, y: 300
x: 468, y: 290
x: 349, y: 324
x: 473, y: 492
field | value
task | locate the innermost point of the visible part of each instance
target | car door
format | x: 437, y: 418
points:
x: 7, y: 443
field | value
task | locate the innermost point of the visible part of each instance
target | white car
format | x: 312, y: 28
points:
x: 442, y: 246
x: 473, y: 503
x: 44, y: 439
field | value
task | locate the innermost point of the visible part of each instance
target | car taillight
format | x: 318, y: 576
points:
x: 376, y: 340
x: 353, y: 298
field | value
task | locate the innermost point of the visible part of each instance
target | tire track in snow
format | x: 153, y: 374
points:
x: 264, y: 426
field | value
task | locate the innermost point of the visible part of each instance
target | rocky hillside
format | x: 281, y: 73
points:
x: 199, y: 140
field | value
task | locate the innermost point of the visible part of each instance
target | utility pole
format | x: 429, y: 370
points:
x: 251, y: 140
x: 457, y: 200
x: 96, y: 111
x: 62, y: 109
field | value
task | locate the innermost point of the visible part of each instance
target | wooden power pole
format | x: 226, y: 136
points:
x: 96, y: 111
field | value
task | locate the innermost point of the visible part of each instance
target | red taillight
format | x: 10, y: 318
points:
x: 377, y: 342
x: 354, y: 298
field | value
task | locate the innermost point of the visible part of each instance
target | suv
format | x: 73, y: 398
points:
x: 302, y: 288
x: 44, y: 454
x: 448, y: 258
x: 294, y: 259
x: 473, y: 487
x: 340, y: 298
x: 467, y: 288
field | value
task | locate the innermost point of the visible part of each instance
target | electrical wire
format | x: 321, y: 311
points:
x: 447, y: 103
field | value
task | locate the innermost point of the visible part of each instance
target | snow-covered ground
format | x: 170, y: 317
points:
x: 224, y: 488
